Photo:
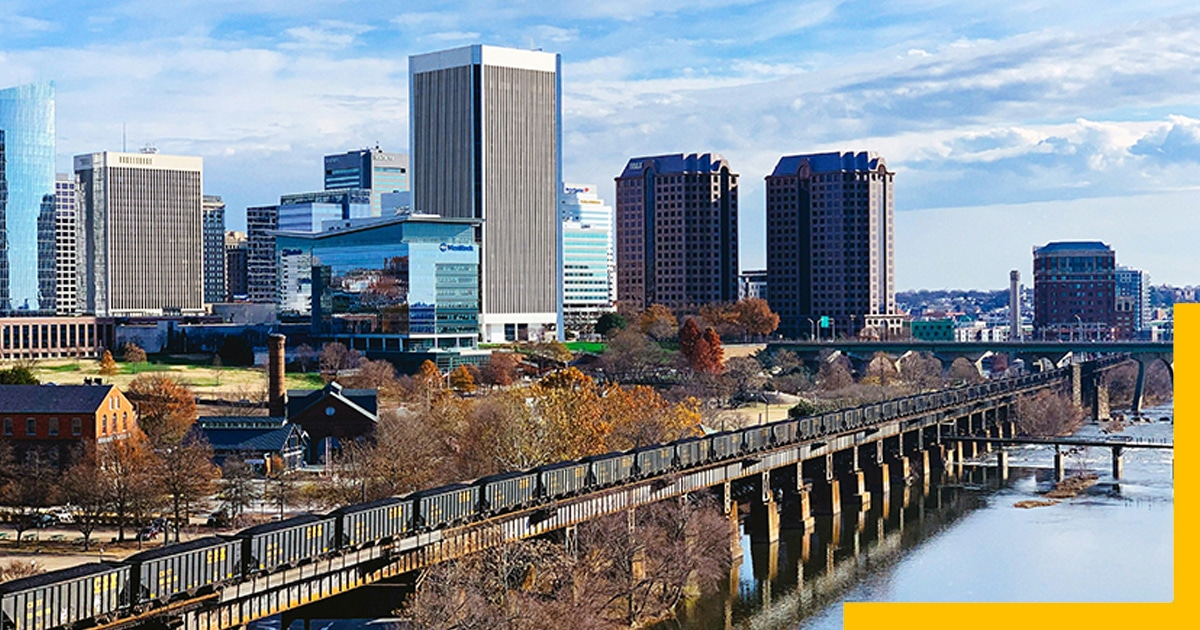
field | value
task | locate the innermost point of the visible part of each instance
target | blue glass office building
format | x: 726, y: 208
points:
x: 387, y: 285
x: 27, y: 273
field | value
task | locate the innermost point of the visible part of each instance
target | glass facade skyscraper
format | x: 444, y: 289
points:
x: 372, y: 169
x: 588, y: 287
x: 27, y: 243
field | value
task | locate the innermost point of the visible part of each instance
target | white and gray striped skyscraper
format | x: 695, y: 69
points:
x: 486, y: 127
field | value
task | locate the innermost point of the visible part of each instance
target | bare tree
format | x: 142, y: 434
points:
x: 188, y: 476
x: 88, y: 498
x: 1048, y: 414
x: 337, y: 358
x: 238, y: 490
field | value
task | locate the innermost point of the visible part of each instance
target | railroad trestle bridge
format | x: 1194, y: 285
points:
x: 832, y: 463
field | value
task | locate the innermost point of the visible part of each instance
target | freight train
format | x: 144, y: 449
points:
x: 96, y: 593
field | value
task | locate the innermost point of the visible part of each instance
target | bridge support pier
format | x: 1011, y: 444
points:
x: 1118, y: 462
x: 854, y: 490
x: 1002, y: 465
x: 1060, y: 465
x: 735, y: 533
x: 1100, y: 408
x: 764, y: 515
x: 826, y: 488
x: 878, y: 470
x: 1139, y: 389
x: 797, y: 506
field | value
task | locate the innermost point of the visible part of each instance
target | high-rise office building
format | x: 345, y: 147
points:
x: 214, y: 249
x: 141, y: 233
x: 370, y: 169
x: 236, y: 256
x: 66, y: 239
x: 27, y: 227
x: 262, y: 270
x: 486, y: 144
x: 677, y: 241
x: 830, y: 253
x: 1074, y: 290
x: 305, y: 212
x: 588, y: 265
x: 1132, y: 302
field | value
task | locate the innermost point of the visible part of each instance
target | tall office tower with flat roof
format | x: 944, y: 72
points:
x: 486, y: 144
x: 141, y: 233
x: 677, y: 241
x: 214, y: 249
x: 66, y: 250
x: 830, y: 252
x: 262, y: 269
x: 588, y: 286
x: 372, y: 169
x: 27, y: 232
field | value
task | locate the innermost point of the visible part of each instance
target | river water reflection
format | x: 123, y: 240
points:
x: 964, y: 541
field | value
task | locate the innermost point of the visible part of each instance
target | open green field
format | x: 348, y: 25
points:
x: 594, y: 347
x: 206, y: 381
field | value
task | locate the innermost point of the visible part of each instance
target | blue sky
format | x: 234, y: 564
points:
x: 1008, y: 124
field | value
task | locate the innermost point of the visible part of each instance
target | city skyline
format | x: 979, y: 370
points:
x: 1035, y: 113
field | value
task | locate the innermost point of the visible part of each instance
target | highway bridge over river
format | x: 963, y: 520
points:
x: 1035, y: 354
x: 843, y: 461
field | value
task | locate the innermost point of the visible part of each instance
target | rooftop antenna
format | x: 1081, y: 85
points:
x: 124, y: 148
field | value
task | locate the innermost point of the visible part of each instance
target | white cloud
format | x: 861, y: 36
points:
x: 324, y: 35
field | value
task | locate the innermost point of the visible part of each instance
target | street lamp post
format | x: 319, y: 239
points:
x: 1079, y: 321
x: 813, y: 326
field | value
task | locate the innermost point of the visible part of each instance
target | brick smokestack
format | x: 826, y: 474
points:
x: 1015, y: 332
x: 275, y: 369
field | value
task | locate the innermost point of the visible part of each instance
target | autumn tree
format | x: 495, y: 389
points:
x: 377, y: 375
x: 132, y: 487
x: 87, y: 498
x: 709, y: 355
x: 108, y: 365
x: 500, y: 369
x: 188, y: 477
x: 756, y: 317
x: 639, y: 416
x: 166, y: 408
x: 658, y: 322
x: 723, y: 318
x: 133, y: 353
x: 632, y: 356
x: 336, y: 358
x: 502, y: 433
x: 461, y: 380
x: 689, y: 336
x: 568, y: 402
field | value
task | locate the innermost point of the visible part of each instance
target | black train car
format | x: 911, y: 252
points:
x: 724, y: 445
x: 755, y: 439
x: 785, y: 432
x: 691, y: 452
x: 562, y: 479
x: 611, y: 468
x: 195, y: 566
x: 366, y: 523
x: 286, y: 543
x: 508, y: 491
x: 447, y: 505
x: 654, y: 460
x: 82, y: 595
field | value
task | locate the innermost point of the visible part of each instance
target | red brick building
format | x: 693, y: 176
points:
x: 1074, y: 291
x: 59, y: 419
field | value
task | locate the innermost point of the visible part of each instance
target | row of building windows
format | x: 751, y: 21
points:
x: 51, y: 428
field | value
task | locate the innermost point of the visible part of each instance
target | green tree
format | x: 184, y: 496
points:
x: 609, y: 324
x: 18, y: 375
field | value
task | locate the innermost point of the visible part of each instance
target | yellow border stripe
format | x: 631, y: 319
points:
x: 892, y: 616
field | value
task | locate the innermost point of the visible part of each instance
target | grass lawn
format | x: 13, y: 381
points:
x: 594, y: 347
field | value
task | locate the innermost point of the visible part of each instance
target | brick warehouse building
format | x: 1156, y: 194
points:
x: 1074, y: 290
x: 60, y: 419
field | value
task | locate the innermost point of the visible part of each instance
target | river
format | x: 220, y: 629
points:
x: 959, y: 540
